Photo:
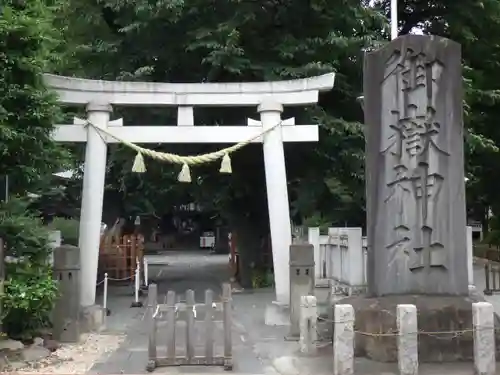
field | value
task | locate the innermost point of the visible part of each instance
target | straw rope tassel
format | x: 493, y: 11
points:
x: 185, y: 174
x: 186, y: 161
x: 225, y: 165
x: 139, y: 166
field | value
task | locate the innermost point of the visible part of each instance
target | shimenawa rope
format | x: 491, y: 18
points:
x: 185, y: 174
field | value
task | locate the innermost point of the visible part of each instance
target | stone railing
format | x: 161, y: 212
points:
x: 407, y: 336
x: 340, y: 258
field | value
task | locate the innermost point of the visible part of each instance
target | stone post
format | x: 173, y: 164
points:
x: 66, y: 312
x: 470, y: 259
x: 313, y: 239
x: 55, y: 242
x: 308, y: 324
x: 92, y: 200
x: 415, y: 168
x: 277, y: 197
x: 343, y: 340
x: 484, y: 338
x: 407, y: 339
x: 355, y: 263
x: 301, y: 282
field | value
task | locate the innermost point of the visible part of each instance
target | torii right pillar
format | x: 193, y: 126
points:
x: 415, y: 191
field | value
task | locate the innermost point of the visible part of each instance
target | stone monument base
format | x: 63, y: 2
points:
x: 92, y: 318
x: 435, y: 314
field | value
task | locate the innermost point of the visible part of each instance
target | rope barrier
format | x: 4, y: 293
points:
x: 137, y: 291
x: 393, y: 333
x: 186, y: 161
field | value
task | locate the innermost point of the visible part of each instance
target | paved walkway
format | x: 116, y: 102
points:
x: 191, y: 270
x: 257, y: 348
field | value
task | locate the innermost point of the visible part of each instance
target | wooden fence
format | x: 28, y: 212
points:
x: 118, y: 257
x: 214, y: 315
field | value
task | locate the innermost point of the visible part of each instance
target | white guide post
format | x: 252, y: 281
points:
x: 277, y: 197
x: 92, y: 200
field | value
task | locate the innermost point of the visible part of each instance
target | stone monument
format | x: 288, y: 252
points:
x: 415, y: 186
x: 416, y: 219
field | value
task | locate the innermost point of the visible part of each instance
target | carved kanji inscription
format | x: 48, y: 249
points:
x: 411, y: 147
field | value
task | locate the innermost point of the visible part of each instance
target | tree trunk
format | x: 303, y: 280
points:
x: 249, y: 234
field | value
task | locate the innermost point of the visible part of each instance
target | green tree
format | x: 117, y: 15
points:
x: 474, y: 24
x: 233, y: 40
x: 28, y: 45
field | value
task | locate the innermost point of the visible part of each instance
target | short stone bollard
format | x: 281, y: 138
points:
x: 484, y: 338
x: 66, y: 312
x: 308, y: 324
x: 407, y: 339
x: 343, y: 340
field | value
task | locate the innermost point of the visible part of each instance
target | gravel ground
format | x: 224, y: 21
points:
x: 75, y: 358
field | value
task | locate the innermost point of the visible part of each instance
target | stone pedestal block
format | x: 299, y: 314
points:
x: 434, y: 314
x: 92, y: 318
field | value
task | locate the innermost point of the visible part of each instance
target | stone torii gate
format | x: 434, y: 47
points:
x: 269, y: 98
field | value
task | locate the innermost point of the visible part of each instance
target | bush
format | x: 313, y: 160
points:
x: 69, y: 229
x: 29, y: 291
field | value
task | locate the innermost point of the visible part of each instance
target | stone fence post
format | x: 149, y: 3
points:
x: 308, y: 324
x: 313, y: 239
x: 343, y: 340
x: 484, y: 338
x: 407, y: 339
x: 355, y: 263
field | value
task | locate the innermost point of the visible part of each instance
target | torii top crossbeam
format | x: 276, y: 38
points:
x: 291, y: 92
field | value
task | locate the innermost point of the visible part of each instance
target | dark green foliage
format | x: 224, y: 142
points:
x: 27, y: 110
x: 28, y: 48
x: 29, y: 290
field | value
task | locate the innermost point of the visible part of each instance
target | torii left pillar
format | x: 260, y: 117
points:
x: 98, y: 114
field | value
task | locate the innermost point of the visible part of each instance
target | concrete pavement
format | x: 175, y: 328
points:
x: 257, y: 348
x: 191, y: 270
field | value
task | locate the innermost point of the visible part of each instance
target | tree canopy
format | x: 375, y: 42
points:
x: 28, y: 45
x: 242, y: 40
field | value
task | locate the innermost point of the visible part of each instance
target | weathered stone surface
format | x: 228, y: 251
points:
x: 435, y: 314
x: 10, y: 345
x: 308, y: 324
x: 484, y: 338
x: 35, y: 353
x: 38, y: 341
x: 416, y: 222
x: 406, y: 320
x: 301, y: 281
x: 343, y: 340
x: 51, y: 345
x: 65, y: 315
